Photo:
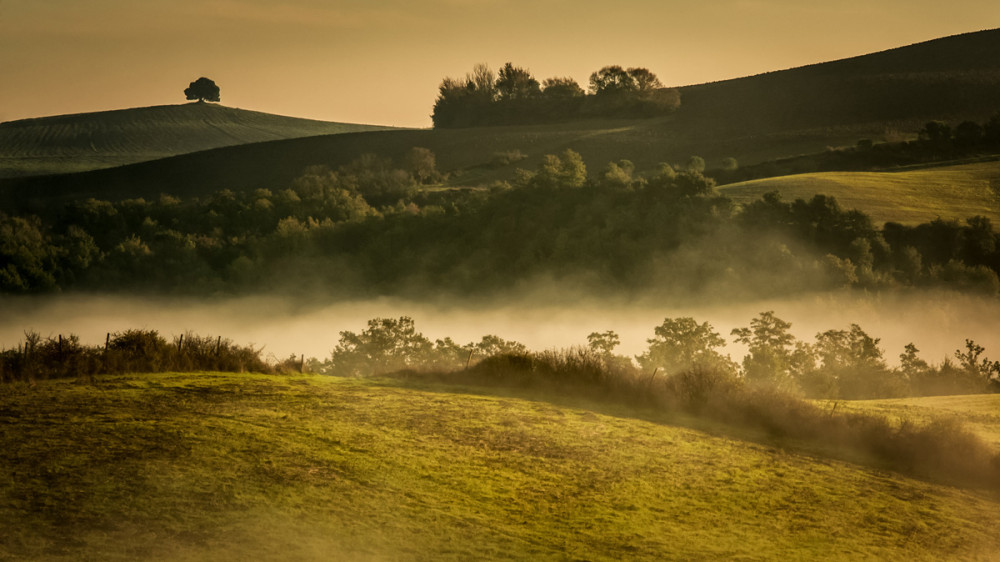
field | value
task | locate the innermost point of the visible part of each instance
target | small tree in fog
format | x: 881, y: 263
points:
x: 854, y: 360
x: 603, y: 343
x: 772, y: 350
x: 388, y: 344
x: 972, y: 362
x: 681, y: 344
x: 491, y: 345
x: 910, y: 365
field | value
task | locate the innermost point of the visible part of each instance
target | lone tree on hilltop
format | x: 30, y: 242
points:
x: 202, y: 89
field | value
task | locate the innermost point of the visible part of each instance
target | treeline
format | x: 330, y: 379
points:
x: 937, y: 141
x: 837, y: 364
x: 512, y: 96
x: 130, y: 351
x: 369, y: 228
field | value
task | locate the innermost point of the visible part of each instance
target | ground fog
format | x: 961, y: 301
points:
x: 937, y: 323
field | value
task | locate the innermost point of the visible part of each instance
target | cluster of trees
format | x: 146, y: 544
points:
x: 837, y: 364
x: 513, y: 96
x: 846, y: 363
x: 368, y: 229
x: 389, y: 345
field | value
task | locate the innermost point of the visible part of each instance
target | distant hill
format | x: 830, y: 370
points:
x: 886, y: 95
x: 953, y: 78
x: 86, y: 141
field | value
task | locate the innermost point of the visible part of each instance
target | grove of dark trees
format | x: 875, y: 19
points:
x: 513, y: 96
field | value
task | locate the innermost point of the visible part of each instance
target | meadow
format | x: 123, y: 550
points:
x: 908, y: 197
x: 230, y: 467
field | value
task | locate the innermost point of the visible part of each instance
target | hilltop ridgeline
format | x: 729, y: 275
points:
x: 884, y: 96
x: 113, y: 138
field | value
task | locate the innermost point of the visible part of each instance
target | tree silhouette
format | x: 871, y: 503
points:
x: 202, y: 89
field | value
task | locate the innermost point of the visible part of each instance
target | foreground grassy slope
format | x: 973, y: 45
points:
x: 907, y: 197
x: 72, y: 143
x: 235, y: 467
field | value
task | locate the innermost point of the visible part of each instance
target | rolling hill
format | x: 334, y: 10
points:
x: 798, y: 111
x: 70, y: 143
x: 235, y: 467
x: 952, y: 78
x: 908, y: 197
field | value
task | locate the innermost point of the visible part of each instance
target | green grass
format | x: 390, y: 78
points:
x: 237, y: 467
x: 89, y: 141
x: 978, y: 412
x: 907, y: 197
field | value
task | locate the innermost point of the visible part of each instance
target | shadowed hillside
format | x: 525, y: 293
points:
x: 887, y: 95
x: 71, y: 143
x: 954, y: 78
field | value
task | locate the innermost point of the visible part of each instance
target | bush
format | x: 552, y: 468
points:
x: 130, y: 351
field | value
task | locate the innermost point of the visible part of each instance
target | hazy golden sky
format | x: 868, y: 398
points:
x: 381, y: 61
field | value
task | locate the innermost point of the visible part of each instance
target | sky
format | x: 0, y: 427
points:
x: 380, y: 62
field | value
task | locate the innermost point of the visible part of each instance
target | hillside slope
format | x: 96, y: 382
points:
x: 68, y: 143
x: 896, y: 91
x: 907, y: 197
x: 236, y: 467
x: 754, y: 119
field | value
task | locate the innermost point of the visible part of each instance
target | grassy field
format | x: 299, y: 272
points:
x: 979, y: 412
x: 907, y: 197
x: 237, y: 467
x: 88, y: 141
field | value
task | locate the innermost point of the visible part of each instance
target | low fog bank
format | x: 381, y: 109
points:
x: 938, y: 323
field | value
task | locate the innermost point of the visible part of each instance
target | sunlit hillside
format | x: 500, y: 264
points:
x: 237, y: 467
x: 71, y: 143
x: 979, y: 412
x: 907, y: 197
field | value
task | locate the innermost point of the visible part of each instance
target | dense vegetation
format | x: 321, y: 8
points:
x: 512, y: 96
x: 373, y: 227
